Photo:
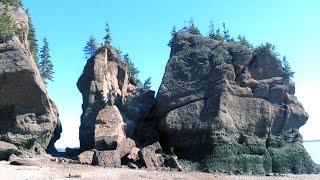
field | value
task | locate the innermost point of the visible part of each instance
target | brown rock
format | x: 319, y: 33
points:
x: 105, y: 82
x: 125, y: 147
x: 109, y: 128
x: 7, y: 149
x: 149, y: 155
x: 28, y: 116
x: 134, y: 154
x: 107, y: 158
x: 86, y: 157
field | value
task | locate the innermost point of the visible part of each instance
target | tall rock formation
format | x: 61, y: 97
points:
x: 28, y: 117
x: 112, y: 107
x: 230, y: 109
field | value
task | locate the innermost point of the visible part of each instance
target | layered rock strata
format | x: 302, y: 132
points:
x: 28, y: 117
x: 230, y: 109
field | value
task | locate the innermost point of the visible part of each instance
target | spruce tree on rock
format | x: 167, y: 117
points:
x: 288, y: 72
x: 173, y: 35
x: 226, y: 33
x: 147, y: 84
x: 214, y: 34
x: 7, y: 27
x: 132, y: 71
x: 45, y: 65
x: 91, y: 47
x: 107, y: 38
x: 33, y: 40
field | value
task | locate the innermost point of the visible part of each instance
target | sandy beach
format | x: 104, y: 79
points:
x: 54, y: 170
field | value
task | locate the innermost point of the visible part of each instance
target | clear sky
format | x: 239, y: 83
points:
x: 142, y: 29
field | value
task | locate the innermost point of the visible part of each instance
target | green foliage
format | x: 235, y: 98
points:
x: 15, y: 3
x: 7, y: 26
x: 173, y: 35
x: 226, y: 34
x: 265, y: 48
x: 91, y: 47
x: 192, y: 28
x: 132, y: 71
x: 243, y: 41
x: 45, y: 65
x: 146, y: 85
x: 33, y: 40
x: 288, y: 72
x: 215, y: 34
x: 107, y: 38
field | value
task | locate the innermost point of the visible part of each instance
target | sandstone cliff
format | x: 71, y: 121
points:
x: 28, y: 117
x: 113, y: 122
x: 229, y: 109
x: 107, y: 94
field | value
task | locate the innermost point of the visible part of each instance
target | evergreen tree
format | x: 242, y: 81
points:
x: 265, y: 48
x: 226, y: 34
x: 212, y: 32
x: 107, y: 38
x: 91, y: 47
x: 288, y: 73
x: 45, y: 65
x: 243, y: 41
x: 132, y: 71
x: 33, y: 40
x: 219, y: 36
x: 173, y: 35
x: 7, y: 26
x: 192, y: 28
x: 147, y: 84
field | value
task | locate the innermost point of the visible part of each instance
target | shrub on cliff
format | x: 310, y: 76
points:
x: 33, y: 40
x: 243, y: 41
x: 146, y: 86
x: 214, y: 34
x: 15, y: 3
x: 7, y: 26
x: 265, y: 48
x: 288, y: 73
x: 132, y: 71
x: 173, y: 35
x: 192, y: 28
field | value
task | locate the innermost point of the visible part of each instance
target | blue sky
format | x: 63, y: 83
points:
x: 142, y: 29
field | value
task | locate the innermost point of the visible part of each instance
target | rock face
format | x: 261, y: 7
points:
x: 112, y: 107
x: 230, y: 109
x: 115, y: 113
x: 28, y: 117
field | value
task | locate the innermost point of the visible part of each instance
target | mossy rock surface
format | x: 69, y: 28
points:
x: 292, y: 158
x: 257, y: 159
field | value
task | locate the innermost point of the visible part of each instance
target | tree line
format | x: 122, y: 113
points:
x: 224, y: 35
x: 92, y: 47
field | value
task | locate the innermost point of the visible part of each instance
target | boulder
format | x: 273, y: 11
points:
x: 125, y: 147
x: 133, y: 155
x: 86, y: 157
x: 219, y: 104
x: 28, y: 116
x: 109, y: 128
x: 151, y: 156
x: 107, y: 158
x: 7, y: 149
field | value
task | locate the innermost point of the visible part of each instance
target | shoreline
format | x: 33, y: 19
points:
x: 65, y: 170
